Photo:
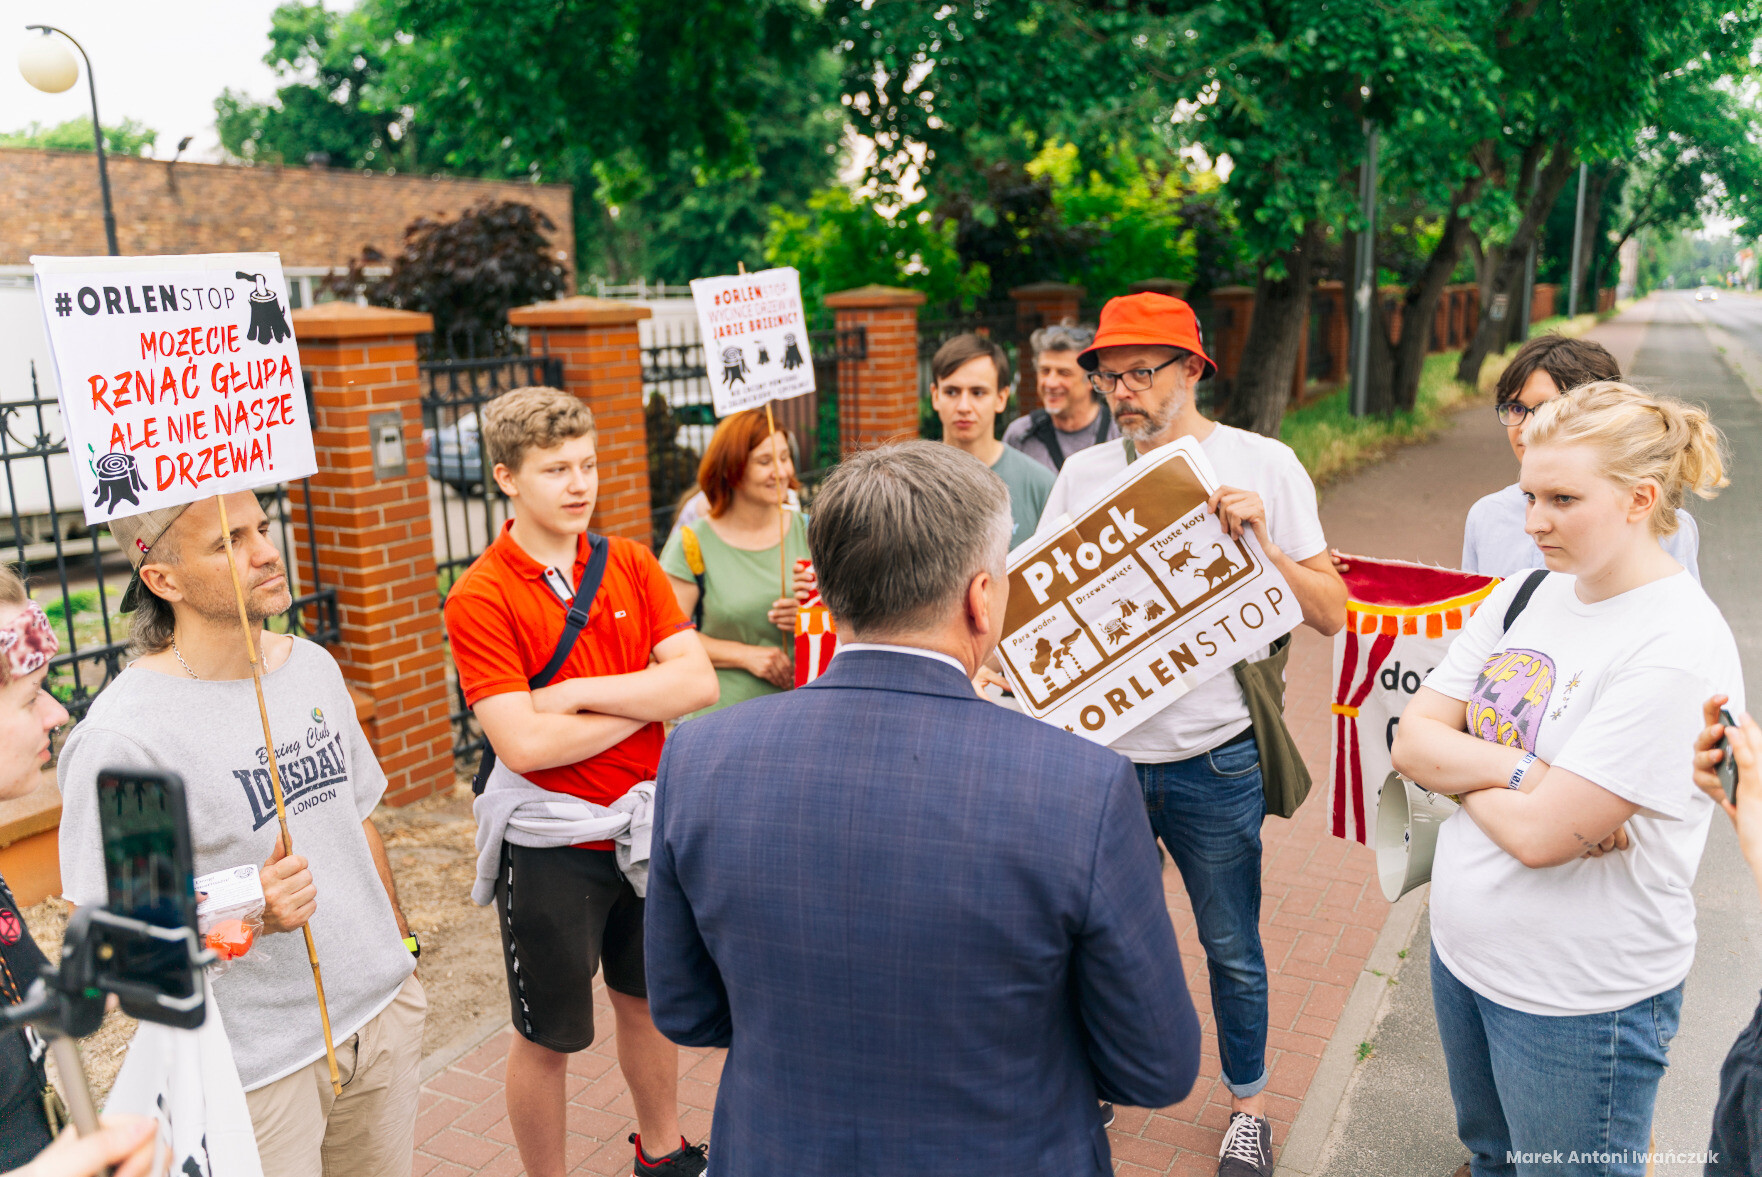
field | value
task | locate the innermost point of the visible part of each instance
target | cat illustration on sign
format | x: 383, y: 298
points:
x: 1179, y: 561
x: 1219, y: 570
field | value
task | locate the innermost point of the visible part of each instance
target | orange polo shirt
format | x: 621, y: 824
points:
x: 504, y: 621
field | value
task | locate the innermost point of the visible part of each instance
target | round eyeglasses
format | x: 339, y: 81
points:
x: 1512, y: 413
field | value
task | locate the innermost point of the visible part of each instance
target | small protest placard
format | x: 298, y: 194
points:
x: 755, y: 338
x: 1139, y: 600
x: 179, y: 377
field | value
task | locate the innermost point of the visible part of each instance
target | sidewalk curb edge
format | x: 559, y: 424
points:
x: 1306, y: 1143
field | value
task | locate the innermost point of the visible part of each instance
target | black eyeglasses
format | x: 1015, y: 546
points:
x: 1136, y: 380
x: 1512, y: 413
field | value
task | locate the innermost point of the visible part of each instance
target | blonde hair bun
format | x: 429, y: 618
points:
x: 1640, y: 436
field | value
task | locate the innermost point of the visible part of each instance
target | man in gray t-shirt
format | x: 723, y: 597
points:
x: 1072, y: 416
x: 188, y: 706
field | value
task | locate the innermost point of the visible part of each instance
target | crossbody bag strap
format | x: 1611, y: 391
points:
x: 578, y: 611
x: 1044, y: 431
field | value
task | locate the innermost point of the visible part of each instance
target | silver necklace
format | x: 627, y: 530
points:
x: 178, y: 654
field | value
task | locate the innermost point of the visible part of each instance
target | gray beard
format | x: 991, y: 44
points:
x: 1150, y: 426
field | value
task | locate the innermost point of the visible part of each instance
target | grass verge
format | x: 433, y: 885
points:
x: 1332, y: 443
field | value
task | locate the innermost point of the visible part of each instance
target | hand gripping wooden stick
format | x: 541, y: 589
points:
x: 281, y: 812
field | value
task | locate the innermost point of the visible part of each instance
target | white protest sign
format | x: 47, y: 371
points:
x: 755, y: 338
x: 1143, y: 597
x: 179, y: 377
x: 186, y: 1080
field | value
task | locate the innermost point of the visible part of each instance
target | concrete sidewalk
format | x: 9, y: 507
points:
x: 1324, y: 921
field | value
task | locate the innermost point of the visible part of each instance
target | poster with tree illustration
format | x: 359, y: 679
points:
x: 179, y: 377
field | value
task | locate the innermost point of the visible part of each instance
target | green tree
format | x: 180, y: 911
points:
x: 127, y: 137
x: 841, y: 242
x: 678, y: 126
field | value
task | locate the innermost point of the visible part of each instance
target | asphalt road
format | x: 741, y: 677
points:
x: 1397, y: 1119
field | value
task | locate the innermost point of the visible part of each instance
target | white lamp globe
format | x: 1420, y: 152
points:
x: 47, y: 63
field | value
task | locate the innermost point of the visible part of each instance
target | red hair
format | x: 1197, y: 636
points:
x: 725, y: 458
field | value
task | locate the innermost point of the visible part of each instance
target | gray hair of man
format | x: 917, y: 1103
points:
x: 1061, y: 337
x: 899, y: 532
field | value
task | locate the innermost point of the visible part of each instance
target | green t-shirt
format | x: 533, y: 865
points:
x: 739, y: 587
x: 1029, y: 485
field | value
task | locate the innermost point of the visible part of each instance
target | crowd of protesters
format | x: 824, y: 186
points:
x: 931, y: 931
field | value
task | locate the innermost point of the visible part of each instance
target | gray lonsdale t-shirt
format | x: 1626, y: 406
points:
x: 209, y: 733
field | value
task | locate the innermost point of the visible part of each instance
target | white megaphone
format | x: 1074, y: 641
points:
x: 1408, y: 818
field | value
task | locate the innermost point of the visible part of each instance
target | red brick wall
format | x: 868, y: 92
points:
x: 375, y: 542
x: 50, y: 203
x: 878, y: 397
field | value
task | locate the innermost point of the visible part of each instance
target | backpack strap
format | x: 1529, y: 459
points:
x: 1042, y: 430
x: 694, y: 560
x: 1521, y: 600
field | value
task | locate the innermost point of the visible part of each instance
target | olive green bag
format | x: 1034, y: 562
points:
x: 1283, y: 775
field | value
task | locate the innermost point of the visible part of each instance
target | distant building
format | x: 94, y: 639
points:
x: 316, y: 218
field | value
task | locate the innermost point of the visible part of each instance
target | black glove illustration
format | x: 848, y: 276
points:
x: 733, y: 365
x: 118, y: 480
x: 269, y: 323
x: 791, y: 353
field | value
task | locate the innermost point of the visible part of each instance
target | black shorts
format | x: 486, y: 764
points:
x: 1737, y: 1117
x: 563, y: 911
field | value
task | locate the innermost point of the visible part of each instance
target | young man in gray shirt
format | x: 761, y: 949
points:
x: 969, y: 388
x: 188, y: 705
x: 1071, y: 417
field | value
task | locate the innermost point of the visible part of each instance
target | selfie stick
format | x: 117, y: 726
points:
x: 281, y: 812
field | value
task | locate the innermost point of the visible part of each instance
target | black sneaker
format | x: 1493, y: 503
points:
x: 1248, y: 1147
x: 1106, y: 1114
x: 688, y: 1160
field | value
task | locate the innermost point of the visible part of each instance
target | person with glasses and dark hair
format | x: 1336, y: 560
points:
x: 1494, y: 542
x: 1197, y: 760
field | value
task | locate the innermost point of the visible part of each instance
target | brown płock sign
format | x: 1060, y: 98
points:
x: 1143, y: 597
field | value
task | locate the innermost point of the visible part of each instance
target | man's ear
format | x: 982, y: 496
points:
x: 978, y: 604
x: 159, y: 579
x: 1195, y: 368
x: 505, y: 479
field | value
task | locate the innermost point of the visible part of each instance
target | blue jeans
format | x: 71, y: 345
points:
x: 1541, y: 1088
x: 1207, y: 810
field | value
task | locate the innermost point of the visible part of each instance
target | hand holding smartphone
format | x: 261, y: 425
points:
x: 1728, y: 765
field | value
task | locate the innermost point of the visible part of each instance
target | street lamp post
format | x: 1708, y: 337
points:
x: 51, y: 69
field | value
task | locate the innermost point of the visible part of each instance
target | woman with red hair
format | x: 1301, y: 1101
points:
x: 725, y: 568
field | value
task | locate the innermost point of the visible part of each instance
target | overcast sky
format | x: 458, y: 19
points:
x: 161, y: 62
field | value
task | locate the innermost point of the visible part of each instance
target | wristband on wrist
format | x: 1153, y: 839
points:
x: 1523, y: 766
x: 414, y: 945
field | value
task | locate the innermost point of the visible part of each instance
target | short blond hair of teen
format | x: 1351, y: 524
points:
x: 534, y: 418
x: 1638, y: 436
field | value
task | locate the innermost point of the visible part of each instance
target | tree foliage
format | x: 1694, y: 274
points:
x: 127, y: 137
x: 468, y: 273
x: 678, y: 125
x: 841, y: 242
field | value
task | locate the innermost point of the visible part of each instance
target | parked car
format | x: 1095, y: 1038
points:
x: 1706, y: 294
x: 454, y: 454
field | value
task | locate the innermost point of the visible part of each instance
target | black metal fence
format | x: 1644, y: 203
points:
x: 467, y: 507
x: 681, y: 417
x: 78, y: 574
x: 1003, y: 326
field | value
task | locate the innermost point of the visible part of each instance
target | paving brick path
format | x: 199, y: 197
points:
x: 1321, y: 909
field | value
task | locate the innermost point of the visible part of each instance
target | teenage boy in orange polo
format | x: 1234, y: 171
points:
x: 592, y: 732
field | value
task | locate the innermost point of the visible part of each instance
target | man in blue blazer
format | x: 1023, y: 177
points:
x: 930, y: 931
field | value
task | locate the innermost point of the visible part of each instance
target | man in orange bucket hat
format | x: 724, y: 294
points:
x: 1197, y: 759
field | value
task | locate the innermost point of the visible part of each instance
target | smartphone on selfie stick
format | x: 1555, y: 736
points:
x: 141, y: 945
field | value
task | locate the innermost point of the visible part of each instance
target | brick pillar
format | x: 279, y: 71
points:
x: 1235, y: 311
x: 1038, y: 305
x: 602, y: 364
x: 375, y: 540
x: 878, y: 396
x: 1333, y: 294
x: 1542, y: 304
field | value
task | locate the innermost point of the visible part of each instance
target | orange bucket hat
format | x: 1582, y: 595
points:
x: 1157, y: 319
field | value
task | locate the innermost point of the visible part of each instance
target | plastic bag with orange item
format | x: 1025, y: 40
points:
x: 229, y: 913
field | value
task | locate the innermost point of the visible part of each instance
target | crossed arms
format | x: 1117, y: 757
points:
x: 579, y: 718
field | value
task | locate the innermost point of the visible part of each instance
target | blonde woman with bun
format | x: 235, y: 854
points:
x: 1563, y: 923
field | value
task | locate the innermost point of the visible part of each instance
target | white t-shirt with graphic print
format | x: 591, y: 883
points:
x: 1611, y: 691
